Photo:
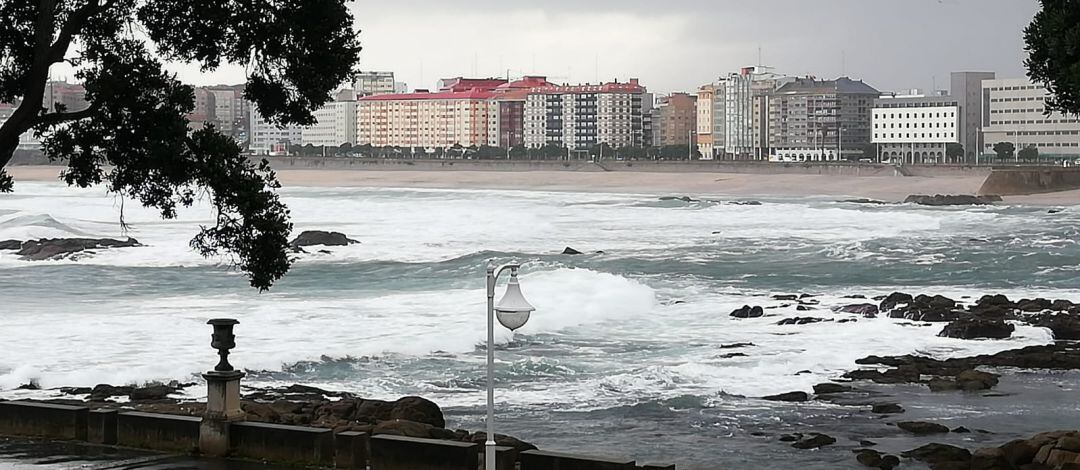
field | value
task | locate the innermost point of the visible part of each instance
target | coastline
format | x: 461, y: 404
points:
x: 884, y: 188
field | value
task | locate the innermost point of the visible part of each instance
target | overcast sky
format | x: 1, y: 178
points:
x: 677, y: 45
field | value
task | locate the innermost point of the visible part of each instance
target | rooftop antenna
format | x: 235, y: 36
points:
x: 759, y: 62
x: 843, y: 63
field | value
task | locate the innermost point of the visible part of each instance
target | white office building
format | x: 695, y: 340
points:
x: 377, y: 83
x: 269, y: 139
x: 1018, y: 115
x: 336, y: 123
x: 916, y: 129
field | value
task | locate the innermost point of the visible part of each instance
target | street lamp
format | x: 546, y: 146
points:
x: 513, y: 312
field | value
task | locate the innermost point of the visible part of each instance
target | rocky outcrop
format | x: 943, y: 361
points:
x: 830, y: 389
x: 968, y: 381
x: 678, y: 198
x: 799, y: 321
x: 938, y: 454
x: 59, y: 248
x: 866, y: 310
x: 918, y: 369
x: 1058, y: 450
x: 921, y: 428
x: 978, y: 327
x: 923, y: 308
x: 791, y: 397
x: 321, y: 238
x: 748, y: 312
x: 874, y: 459
x: 10, y: 245
x: 571, y: 251
x: 813, y: 441
x: 887, y: 409
x: 951, y: 200
x: 1065, y: 326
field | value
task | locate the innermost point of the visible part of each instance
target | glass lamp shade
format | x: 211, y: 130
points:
x: 513, y: 310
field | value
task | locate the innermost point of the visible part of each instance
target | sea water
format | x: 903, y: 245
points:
x: 625, y: 353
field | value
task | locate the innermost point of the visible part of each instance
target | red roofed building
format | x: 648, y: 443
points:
x: 509, y: 130
x: 581, y: 116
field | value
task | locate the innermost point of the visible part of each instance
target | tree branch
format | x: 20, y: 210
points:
x: 53, y: 119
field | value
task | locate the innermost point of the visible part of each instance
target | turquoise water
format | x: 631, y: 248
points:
x: 630, y: 338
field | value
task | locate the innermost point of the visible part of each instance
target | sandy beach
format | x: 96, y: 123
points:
x: 885, y: 188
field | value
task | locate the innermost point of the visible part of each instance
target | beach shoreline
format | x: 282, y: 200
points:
x: 739, y: 185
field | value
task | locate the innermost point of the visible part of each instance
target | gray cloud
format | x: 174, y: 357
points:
x: 677, y: 45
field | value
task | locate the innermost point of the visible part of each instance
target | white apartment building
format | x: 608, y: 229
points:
x: 706, y: 145
x: 269, y: 139
x: 916, y: 129
x: 581, y: 116
x: 336, y: 123
x: 428, y: 120
x: 1018, y: 115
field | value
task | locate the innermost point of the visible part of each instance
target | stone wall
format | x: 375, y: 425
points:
x: 1035, y: 180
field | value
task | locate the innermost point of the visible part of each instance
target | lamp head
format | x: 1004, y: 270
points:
x: 513, y: 310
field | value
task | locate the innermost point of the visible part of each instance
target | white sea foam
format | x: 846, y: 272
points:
x: 600, y: 337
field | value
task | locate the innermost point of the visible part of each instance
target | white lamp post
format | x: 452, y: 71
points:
x: 513, y: 312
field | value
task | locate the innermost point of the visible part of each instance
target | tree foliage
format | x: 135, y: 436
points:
x: 1052, y: 41
x: 954, y: 150
x: 1030, y: 152
x: 134, y: 136
x: 1004, y: 149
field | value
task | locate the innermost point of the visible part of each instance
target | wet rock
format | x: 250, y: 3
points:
x: 864, y: 201
x: 151, y: 392
x: 874, y: 459
x: 785, y: 297
x: 935, y: 454
x: 996, y: 300
x: 799, y: 321
x: 32, y: 385
x: 791, y: 397
x: 814, y: 441
x: 400, y: 427
x: 748, y: 312
x: 790, y: 437
x: 678, y: 198
x: 571, y: 251
x: 830, y: 389
x: 856, y: 296
x: 848, y: 320
x: 968, y: 381
x: 803, y: 308
x: 732, y: 355
x: 892, y: 300
x: 990, y: 459
x: 1062, y: 306
x: 10, y: 245
x: 736, y: 345
x: 744, y: 203
x: 1034, y: 305
x: 887, y: 409
x: 978, y: 327
x: 1064, y: 326
x: 75, y: 390
x: 866, y: 310
x: 889, y: 462
x: 102, y: 392
x: 320, y: 237
x: 922, y: 428
x: 57, y: 248
x: 940, y: 200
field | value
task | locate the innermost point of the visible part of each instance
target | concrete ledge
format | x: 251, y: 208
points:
x: 280, y: 443
x: 409, y: 453
x: 505, y: 457
x: 540, y: 460
x: 351, y: 449
x: 1023, y: 181
x: 102, y: 427
x: 18, y: 418
x: 158, y: 432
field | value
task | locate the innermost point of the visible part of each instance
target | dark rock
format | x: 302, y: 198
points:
x: 500, y: 440
x: 399, y: 427
x: 785, y: 297
x: 892, y: 300
x: 803, y: 308
x: 748, y: 312
x: 938, y: 453
x: 867, y: 443
x: 978, y: 327
x: 949, y: 200
x: 814, y: 441
x: 1020, y: 451
x: 790, y: 437
x: 887, y: 409
x: 968, y: 381
x: 961, y: 430
x: 151, y: 392
x: 792, y: 397
x: 744, y: 203
x: 571, y: 251
x: 889, y: 462
x: 866, y: 310
x: 799, y: 321
x: 1055, y: 211
x: 1034, y: 305
x: 807, y: 296
x: 10, y: 245
x: 848, y: 320
x: 830, y: 388
x: 856, y: 296
x: 1062, y: 306
x: 864, y: 201
x: 678, y: 198
x: 56, y: 248
x: 736, y: 345
x: 103, y: 392
x: 732, y: 355
x: 75, y: 390
x: 320, y: 237
x: 921, y: 428
x: 418, y: 409
x: 998, y: 300
x: 868, y: 458
x: 1064, y: 326
x: 32, y: 385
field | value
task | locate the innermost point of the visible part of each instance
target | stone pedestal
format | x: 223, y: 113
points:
x: 222, y: 408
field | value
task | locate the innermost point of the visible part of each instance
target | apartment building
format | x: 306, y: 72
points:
x: 424, y: 119
x: 1017, y: 114
x: 375, y: 83
x: 205, y: 113
x: 705, y: 143
x: 917, y: 128
x: 336, y: 122
x: 581, y: 116
x: 819, y: 120
x: 974, y: 104
x: 231, y: 110
x: 675, y: 119
x: 508, y: 129
x: 270, y: 139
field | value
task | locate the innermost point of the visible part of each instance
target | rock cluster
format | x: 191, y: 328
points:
x: 748, y: 312
x: 59, y: 248
x: 951, y: 200
x: 987, y: 318
x: 320, y: 237
x: 1047, y: 451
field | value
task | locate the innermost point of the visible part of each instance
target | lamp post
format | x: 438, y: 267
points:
x: 513, y: 312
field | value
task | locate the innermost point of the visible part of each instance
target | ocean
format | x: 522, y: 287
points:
x: 629, y: 351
